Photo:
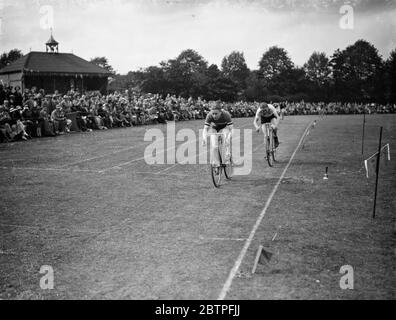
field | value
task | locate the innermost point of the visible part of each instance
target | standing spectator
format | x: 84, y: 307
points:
x: 2, y: 94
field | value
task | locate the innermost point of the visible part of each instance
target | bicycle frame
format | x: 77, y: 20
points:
x: 216, y: 171
x: 220, y: 145
x: 269, y: 143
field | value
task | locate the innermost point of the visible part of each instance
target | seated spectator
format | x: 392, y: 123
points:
x: 81, y: 117
x: 98, y: 122
x: 60, y: 120
x: 18, y: 129
x: 66, y: 105
x: 18, y: 132
x: 37, y: 120
x: 5, y: 128
x: 116, y: 118
x: 27, y: 121
x: 124, y: 119
x: 48, y: 128
x: 105, y: 116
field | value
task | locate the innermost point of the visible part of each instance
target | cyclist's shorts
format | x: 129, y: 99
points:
x: 265, y: 120
x: 218, y: 129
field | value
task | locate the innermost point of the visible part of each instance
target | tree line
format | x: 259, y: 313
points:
x: 356, y: 74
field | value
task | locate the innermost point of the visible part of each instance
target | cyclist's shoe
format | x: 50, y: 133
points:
x: 276, y: 140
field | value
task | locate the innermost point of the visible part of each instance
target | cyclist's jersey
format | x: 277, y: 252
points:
x: 224, y: 121
x: 267, y: 114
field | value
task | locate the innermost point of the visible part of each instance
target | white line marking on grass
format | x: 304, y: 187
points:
x: 221, y: 239
x: 167, y: 169
x: 48, y: 228
x: 164, y: 174
x: 248, y: 242
x: 121, y: 165
x: 136, y: 160
x: 255, y: 149
x: 49, y: 169
x: 105, y: 155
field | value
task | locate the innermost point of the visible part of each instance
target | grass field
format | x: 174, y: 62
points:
x: 113, y: 227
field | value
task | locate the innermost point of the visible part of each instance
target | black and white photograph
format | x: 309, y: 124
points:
x: 197, y: 154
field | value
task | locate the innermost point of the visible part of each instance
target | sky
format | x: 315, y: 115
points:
x: 136, y: 34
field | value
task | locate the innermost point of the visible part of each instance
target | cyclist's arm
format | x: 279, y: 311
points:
x: 275, y: 114
x: 208, y: 121
x: 231, y: 128
x: 230, y: 124
x: 205, y: 133
x: 257, y: 119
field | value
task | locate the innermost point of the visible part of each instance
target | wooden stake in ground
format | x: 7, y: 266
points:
x: 262, y: 257
x: 256, y: 260
x: 377, y: 173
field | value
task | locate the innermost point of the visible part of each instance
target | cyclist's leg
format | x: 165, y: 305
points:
x: 264, y: 133
x: 274, y: 124
x: 214, y: 154
x: 227, y: 144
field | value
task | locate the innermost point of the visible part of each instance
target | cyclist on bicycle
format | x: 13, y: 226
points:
x: 267, y: 113
x: 218, y: 121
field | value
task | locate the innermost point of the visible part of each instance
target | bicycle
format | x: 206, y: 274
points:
x: 269, y: 144
x: 216, y: 171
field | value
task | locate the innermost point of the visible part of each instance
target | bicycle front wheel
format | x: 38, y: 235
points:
x: 216, y: 175
x: 270, y: 156
x: 216, y: 172
x: 273, y: 149
x: 229, y: 170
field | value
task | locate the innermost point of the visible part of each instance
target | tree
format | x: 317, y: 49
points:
x: 186, y: 74
x: 273, y: 62
x: 103, y: 62
x: 154, y: 81
x: 191, y: 62
x: 255, y: 88
x: 219, y: 87
x: 213, y: 71
x: 290, y: 84
x: 235, y: 68
x: 8, y: 57
x: 357, y: 72
x: 390, y: 67
x: 318, y: 73
x: 318, y: 68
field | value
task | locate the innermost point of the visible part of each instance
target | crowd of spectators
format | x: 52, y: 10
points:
x: 33, y: 113
x: 307, y: 108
